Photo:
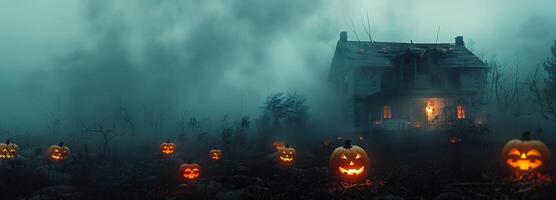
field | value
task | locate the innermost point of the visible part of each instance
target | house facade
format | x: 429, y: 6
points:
x: 399, y: 86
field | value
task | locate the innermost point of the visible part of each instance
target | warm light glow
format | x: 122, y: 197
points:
x: 351, y: 172
x: 524, y: 161
x: 434, y: 108
x: 387, y: 112
x: 215, y: 154
x: 430, y: 110
x: 278, y: 145
x: 285, y: 159
x: 460, y: 111
x: 189, y: 173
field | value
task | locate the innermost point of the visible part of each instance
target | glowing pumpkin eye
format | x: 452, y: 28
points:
x: 283, y: 151
x: 514, y: 152
x: 358, y: 156
x: 291, y: 152
x: 344, y: 157
x: 534, y: 152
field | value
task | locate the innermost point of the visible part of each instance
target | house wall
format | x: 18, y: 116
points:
x: 471, y: 80
x: 367, y: 82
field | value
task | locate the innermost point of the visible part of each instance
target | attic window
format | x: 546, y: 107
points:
x: 387, y: 112
x: 460, y: 111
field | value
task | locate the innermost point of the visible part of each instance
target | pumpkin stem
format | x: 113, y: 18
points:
x: 287, y: 146
x: 8, y: 141
x: 526, y: 136
x: 347, y: 144
x: 167, y: 140
x: 61, y: 144
x: 215, y: 147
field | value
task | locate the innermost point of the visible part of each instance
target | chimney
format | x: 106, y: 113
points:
x: 343, y: 36
x: 459, y: 41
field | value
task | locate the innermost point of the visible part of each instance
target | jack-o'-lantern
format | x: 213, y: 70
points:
x: 454, y: 139
x: 167, y: 148
x: 215, y: 154
x: 8, y: 150
x: 190, y: 171
x: 526, y: 154
x: 286, y: 156
x: 278, y: 145
x: 58, y: 152
x: 349, y: 163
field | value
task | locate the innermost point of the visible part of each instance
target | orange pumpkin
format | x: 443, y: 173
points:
x: 58, y: 152
x: 349, y: 163
x: 277, y: 145
x: 167, y: 148
x: 526, y: 154
x: 215, y: 154
x: 8, y: 150
x: 190, y: 171
x: 286, y: 156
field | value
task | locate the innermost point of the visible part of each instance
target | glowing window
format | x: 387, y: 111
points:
x: 387, y: 112
x: 460, y: 112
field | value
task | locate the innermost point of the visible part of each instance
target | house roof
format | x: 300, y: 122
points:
x: 382, y: 54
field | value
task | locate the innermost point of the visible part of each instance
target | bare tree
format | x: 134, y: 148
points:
x: 54, y: 122
x: 543, y: 99
x: 106, y: 133
x: 505, y: 90
x: 126, y: 117
x: 181, y: 126
x: 545, y: 95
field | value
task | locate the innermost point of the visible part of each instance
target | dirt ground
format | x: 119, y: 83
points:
x: 409, y: 165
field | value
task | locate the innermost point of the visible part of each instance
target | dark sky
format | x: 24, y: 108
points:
x: 85, y: 58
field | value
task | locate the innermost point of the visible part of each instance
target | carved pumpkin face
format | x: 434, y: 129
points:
x: 286, y: 156
x: 349, y: 163
x: 58, y: 152
x: 215, y: 154
x: 190, y: 171
x: 526, y: 154
x: 8, y: 150
x: 167, y: 148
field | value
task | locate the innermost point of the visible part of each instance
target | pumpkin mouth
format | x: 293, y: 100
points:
x: 190, y: 176
x: 215, y: 157
x: 523, y: 164
x: 351, y: 171
x: 56, y: 157
x: 167, y: 151
x: 285, y: 158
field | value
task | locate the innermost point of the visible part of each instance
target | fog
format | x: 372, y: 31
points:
x: 82, y: 60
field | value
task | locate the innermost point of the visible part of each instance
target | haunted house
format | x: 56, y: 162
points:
x: 400, y: 86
